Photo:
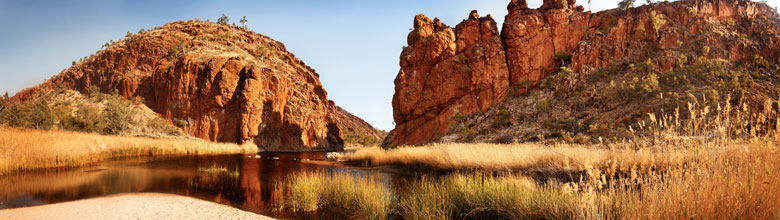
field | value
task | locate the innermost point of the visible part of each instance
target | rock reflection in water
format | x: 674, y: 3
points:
x: 242, y: 181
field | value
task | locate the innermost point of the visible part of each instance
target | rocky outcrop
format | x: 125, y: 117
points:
x: 666, y: 27
x: 220, y: 82
x: 446, y: 72
x: 532, y: 37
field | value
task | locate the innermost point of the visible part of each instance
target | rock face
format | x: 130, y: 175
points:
x: 446, y: 72
x: 533, y: 37
x: 461, y: 71
x: 220, y: 82
x: 615, y: 34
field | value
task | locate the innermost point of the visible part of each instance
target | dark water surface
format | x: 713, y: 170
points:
x: 241, y: 181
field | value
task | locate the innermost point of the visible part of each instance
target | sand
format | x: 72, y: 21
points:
x: 132, y: 206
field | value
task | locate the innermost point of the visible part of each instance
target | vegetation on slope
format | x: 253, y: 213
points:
x: 356, y: 132
x: 615, y: 100
x: 101, y: 113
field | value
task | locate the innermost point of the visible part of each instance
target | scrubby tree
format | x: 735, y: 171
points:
x: 243, y: 21
x: 626, y: 4
x: 35, y: 114
x: 15, y: 116
x: 223, y: 19
x: 41, y: 116
x: 116, y: 117
x: 86, y: 118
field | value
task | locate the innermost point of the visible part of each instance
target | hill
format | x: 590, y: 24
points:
x: 218, y: 82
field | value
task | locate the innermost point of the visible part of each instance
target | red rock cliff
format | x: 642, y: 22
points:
x: 224, y: 83
x: 465, y: 70
x: 445, y: 72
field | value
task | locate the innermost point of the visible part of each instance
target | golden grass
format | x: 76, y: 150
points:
x: 26, y: 149
x: 341, y: 194
x: 734, y: 181
x: 560, y: 159
x: 720, y: 165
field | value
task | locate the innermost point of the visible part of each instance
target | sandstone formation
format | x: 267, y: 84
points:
x: 615, y: 34
x: 461, y: 71
x: 446, y: 72
x: 220, y: 82
x: 533, y: 37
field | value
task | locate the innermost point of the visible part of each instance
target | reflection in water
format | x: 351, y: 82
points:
x: 242, y: 181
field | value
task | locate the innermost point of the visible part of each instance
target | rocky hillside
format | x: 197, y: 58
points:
x: 357, y: 132
x: 219, y: 82
x: 589, y: 74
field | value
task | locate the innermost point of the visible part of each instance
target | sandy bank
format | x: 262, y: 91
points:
x: 132, y: 206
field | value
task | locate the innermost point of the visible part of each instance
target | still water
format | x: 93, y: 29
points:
x: 242, y: 181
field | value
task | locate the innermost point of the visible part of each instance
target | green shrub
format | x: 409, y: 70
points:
x: 4, y: 102
x: 502, y: 119
x: 86, y: 118
x: 117, y: 117
x: 35, y: 114
x: 178, y: 49
x: 626, y: 4
x: 223, y: 19
x: 562, y: 56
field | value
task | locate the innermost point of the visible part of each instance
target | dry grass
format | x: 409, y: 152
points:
x: 721, y: 163
x: 536, y: 159
x: 732, y: 181
x: 340, y: 194
x: 26, y: 149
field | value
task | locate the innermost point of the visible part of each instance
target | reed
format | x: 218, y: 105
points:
x: 28, y: 149
x: 340, y: 194
x: 717, y: 162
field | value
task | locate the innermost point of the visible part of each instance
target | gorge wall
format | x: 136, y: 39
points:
x: 219, y: 82
x: 448, y: 72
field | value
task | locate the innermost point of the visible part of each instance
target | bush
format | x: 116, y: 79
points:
x: 502, y: 119
x: 223, y: 19
x: 657, y: 20
x: 161, y: 126
x: 116, y: 117
x: 4, y: 102
x: 626, y: 4
x: 36, y: 114
x: 705, y: 50
x: 178, y: 49
x: 85, y: 119
x: 562, y: 57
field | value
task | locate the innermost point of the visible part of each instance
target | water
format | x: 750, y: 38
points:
x: 242, y: 181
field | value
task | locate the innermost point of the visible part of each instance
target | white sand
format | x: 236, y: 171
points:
x: 132, y: 206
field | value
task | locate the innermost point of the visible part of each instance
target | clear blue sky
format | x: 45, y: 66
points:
x: 353, y: 44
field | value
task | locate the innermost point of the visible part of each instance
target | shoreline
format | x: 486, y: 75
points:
x: 132, y: 206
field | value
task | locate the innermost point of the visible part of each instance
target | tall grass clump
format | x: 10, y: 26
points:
x: 481, y: 196
x: 27, y: 149
x: 341, y: 194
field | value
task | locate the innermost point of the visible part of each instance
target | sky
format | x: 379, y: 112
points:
x: 353, y: 44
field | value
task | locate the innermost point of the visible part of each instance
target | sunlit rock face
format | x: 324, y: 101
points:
x: 447, y: 71
x: 444, y: 72
x: 220, y: 82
